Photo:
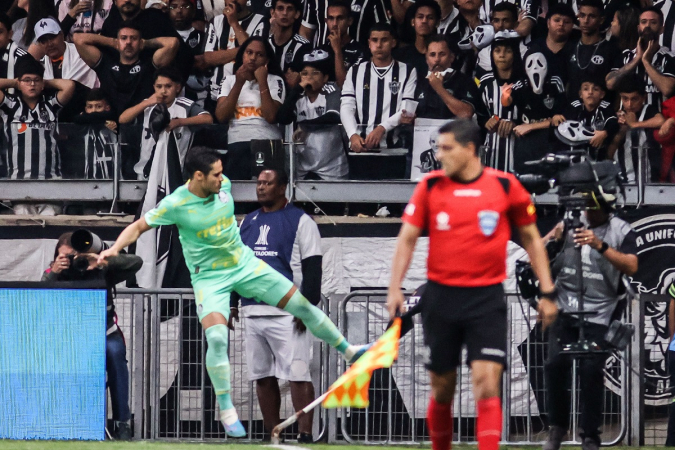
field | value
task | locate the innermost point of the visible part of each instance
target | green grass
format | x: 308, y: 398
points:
x: 145, y: 445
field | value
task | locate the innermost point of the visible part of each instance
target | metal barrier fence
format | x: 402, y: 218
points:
x: 171, y: 396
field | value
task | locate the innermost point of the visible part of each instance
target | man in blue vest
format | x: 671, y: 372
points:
x: 277, y: 344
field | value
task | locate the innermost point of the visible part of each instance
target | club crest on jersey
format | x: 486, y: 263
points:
x: 268, y: 4
x: 135, y: 69
x: 222, y: 196
x: 442, y: 221
x: 548, y: 102
x: 597, y: 59
x: 356, y: 8
x: 394, y: 86
x: 288, y: 57
x: 488, y: 220
x: 192, y: 42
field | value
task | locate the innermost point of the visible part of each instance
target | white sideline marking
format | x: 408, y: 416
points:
x: 286, y: 447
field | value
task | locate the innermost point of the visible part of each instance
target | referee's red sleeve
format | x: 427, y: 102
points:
x: 522, y: 211
x: 416, y: 211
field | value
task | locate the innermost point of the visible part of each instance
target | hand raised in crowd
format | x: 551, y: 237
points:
x: 244, y: 74
x: 357, y: 143
x: 648, y: 55
x: 234, y: 316
x: 557, y: 120
x: 79, y: 8
x: 230, y: 12
x: 598, y: 138
x: 335, y: 39
x: 60, y: 264
x: 293, y: 78
x: 505, y: 128
x: 155, y: 99
x: 374, y: 137
x: 436, y: 81
x: 111, y: 125
x: 261, y: 75
x: 627, y: 118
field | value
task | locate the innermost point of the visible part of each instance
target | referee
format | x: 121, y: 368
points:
x: 468, y: 211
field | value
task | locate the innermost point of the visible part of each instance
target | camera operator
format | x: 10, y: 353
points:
x: 70, y: 265
x: 608, y: 250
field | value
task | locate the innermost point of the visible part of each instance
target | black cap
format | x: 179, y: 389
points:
x: 27, y: 65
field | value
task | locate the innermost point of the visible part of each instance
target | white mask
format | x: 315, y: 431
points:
x: 536, y: 68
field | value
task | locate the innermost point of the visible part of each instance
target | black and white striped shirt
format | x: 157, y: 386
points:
x: 8, y: 59
x: 221, y: 37
x: 500, y: 150
x: 664, y: 62
x: 31, y: 147
x: 314, y: 18
x: 372, y: 96
x: 640, y: 145
x: 668, y: 36
x: 367, y: 13
x: 531, y: 8
x: 453, y: 25
x: 289, y: 54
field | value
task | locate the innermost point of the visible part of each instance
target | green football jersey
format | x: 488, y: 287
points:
x: 208, y: 230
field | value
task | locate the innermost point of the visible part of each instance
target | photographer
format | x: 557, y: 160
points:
x: 70, y: 265
x: 608, y: 250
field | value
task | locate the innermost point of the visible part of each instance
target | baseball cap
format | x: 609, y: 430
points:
x: 46, y: 26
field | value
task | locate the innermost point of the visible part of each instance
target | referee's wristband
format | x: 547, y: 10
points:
x: 553, y: 295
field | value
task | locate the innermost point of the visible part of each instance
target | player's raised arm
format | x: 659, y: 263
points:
x: 128, y: 236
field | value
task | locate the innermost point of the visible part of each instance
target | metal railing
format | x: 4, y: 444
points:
x: 122, y: 186
x: 171, y: 397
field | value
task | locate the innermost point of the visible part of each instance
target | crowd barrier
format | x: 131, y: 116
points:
x: 97, y: 166
x: 171, y: 397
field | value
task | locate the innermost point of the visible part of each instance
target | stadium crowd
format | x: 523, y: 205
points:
x: 352, y: 77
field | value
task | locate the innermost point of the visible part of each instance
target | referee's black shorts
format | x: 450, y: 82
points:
x: 454, y: 317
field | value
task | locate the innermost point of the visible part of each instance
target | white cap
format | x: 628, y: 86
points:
x: 150, y: 3
x: 46, y: 26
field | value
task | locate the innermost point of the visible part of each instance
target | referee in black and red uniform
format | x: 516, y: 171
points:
x: 468, y: 211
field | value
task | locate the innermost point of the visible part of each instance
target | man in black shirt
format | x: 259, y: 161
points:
x: 10, y: 51
x: 593, y: 56
x: 445, y: 93
x: 346, y: 52
x: 425, y: 18
x: 126, y: 79
x: 182, y: 14
x: 289, y: 48
x: 556, y: 46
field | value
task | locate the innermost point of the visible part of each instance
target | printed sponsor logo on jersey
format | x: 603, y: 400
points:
x: 116, y: 68
x: 410, y: 209
x: 221, y: 225
x: 467, y: 193
x: 531, y: 209
x: 247, y: 111
x: 262, y: 237
x: 488, y: 220
x: 22, y: 128
x: 442, y: 221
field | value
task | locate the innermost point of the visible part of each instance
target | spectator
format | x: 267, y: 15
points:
x: 504, y: 18
x: 593, y: 112
x: 118, y: 269
x: 471, y: 12
x: 392, y: 82
x: 182, y: 14
x: 289, y: 48
x: 30, y: 118
x: 83, y: 16
x: 538, y: 97
x: 277, y: 344
x: 624, y: 28
x: 159, y: 5
x: 556, y: 46
x: 652, y: 62
x: 314, y: 27
x: 127, y: 78
x: 425, y: 17
x: 593, y: 55
x: 635, y: 139
x: 315, y: 105
x: 24, y: 29
x: 452, y: 24
x: 11, y: 52
x: 445, y: 93
x: 525, y: 20
x: 345, y: 50
x: 99, y: 136
x: 367, y: 14
x: 183, y: 114
x: 249, y: 101
x: 667, y: 11
x: 507, y: 68
x: 226, y: 33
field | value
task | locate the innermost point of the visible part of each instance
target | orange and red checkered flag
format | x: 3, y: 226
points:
x: 351, y: 389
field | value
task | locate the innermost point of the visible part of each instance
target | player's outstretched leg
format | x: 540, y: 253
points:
x: 218, y: 367
x: 320, y: 325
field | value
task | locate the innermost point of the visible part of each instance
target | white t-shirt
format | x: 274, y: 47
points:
x: 74, y: 68
x: 248, y: 122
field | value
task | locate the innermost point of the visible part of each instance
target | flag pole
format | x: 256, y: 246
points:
x: 276, y: 432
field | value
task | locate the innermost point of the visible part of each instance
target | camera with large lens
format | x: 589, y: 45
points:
x: 82, y: 241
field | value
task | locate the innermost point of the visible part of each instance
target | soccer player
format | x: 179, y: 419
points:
x: 219, y: 263
x: 468, y: 211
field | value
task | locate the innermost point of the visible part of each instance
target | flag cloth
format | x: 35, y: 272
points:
x: 351, y: 389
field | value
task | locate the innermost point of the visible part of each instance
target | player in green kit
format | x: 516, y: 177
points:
x: 219, y: 263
